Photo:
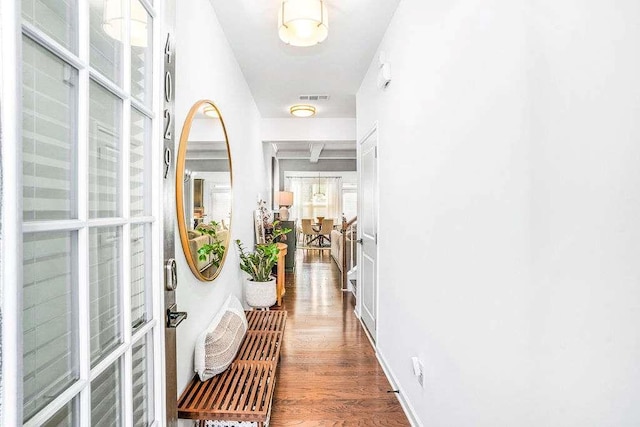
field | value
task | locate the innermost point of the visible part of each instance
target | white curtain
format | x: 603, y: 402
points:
x: 307, y: 199
x: 295, y: 186
x: 334, y: 198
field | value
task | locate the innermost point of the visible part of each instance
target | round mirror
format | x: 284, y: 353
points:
x: 203, y: 190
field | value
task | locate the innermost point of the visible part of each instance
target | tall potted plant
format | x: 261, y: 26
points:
x: 260, y: 286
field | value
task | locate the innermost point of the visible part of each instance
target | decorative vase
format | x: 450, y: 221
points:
x: 260, y: 294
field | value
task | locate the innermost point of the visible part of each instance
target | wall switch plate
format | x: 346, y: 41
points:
x: 421, y: 375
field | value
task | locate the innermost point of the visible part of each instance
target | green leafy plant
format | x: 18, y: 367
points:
x: 259, y: 263
x: 215, y: 249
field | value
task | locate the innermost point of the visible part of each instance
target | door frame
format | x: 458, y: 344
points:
x: 358, y: 309
x: 11, y: 239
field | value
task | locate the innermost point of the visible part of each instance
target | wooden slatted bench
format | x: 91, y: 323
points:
x: 244, y: 391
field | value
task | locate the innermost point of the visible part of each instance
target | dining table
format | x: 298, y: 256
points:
x: 320, y: 238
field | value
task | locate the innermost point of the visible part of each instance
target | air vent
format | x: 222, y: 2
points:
x: 314, y: 97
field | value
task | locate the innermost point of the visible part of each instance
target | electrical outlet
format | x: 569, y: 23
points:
x: 416, y: 366
x: 421, y: 375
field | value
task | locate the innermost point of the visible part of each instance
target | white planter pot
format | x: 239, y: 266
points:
x: 260, y: 294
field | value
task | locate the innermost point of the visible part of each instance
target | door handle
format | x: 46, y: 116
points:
x: 170, y: 275
x: 174, y: 318
x: 359, y: 241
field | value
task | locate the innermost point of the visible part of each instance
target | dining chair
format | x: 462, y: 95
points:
x: 307, y: 229
x: 325, y: 230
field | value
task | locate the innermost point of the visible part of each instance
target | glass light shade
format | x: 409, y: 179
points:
x: 210, y: 111
x: 285, y: 198
x: 113, y: 21
x: 302, y: 110
x: 303, y: 22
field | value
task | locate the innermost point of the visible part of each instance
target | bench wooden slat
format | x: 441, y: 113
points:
x: 272, y: 320
x: 242, y: 379
x: 231, y: 396
x: 260, y: 346
x: 231, y: 374
x: 255, y: 395
x: 244, y: 400
x: 244, y: 391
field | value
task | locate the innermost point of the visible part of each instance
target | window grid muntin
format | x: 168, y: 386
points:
x: 73, y: 412
x: 80, y: 391
x: 78, y: 63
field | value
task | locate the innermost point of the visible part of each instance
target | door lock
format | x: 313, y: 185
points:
x: 174, y: 318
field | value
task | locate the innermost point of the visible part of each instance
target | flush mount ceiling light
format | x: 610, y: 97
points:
x: 210, y: 111
x: 302, y: 110
x: 113, y: 21
x: 303, y: 22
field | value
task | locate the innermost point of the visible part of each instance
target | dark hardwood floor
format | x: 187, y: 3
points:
x: 328, y: 374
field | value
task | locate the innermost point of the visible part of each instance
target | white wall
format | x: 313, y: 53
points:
x: 515, y: 124
x: 316, y: 129
x: 585, y: 152
x: 206, y: 68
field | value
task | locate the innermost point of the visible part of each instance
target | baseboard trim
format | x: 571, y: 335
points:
x: 406, y: 405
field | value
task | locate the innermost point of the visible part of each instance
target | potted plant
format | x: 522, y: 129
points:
x: 260, y: 286
x: 215, y: 249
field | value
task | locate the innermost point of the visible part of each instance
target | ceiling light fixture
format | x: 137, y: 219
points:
x: 113, y: 21
x: 319, y: 195
x: 303, y: 22
x: 210, y: 111
x: 302, y: 110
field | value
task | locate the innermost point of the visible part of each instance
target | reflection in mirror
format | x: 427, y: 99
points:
x: 203, y: 190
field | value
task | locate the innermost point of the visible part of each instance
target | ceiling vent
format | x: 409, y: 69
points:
x: 314, y: 97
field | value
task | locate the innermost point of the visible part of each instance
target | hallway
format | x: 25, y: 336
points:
x: 329, y: 373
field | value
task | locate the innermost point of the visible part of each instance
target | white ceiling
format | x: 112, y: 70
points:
x: 278, y: 74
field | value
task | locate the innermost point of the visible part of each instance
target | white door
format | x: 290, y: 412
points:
x: 368, y: 230
x: 84, y: 269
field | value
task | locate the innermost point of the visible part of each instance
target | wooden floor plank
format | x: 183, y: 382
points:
x: 328, y: 373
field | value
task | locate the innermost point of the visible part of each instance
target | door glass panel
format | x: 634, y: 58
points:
x: 65, y: 417
x: 49, y: 135
x: 105, y: 310
x: 104, y: 152
x: 49, y: 317
x: 105, y: 37
x: 139, y: 275
x: 106, y: 397
x: 57, y: 18
x: 142, y: 359
x: 141, y: 61
x: 140, y: 134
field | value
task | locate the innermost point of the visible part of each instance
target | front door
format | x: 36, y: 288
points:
x: 83, y: 268
x: 368, y: 230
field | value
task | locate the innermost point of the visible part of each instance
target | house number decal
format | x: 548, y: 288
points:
x: 168, y: 128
